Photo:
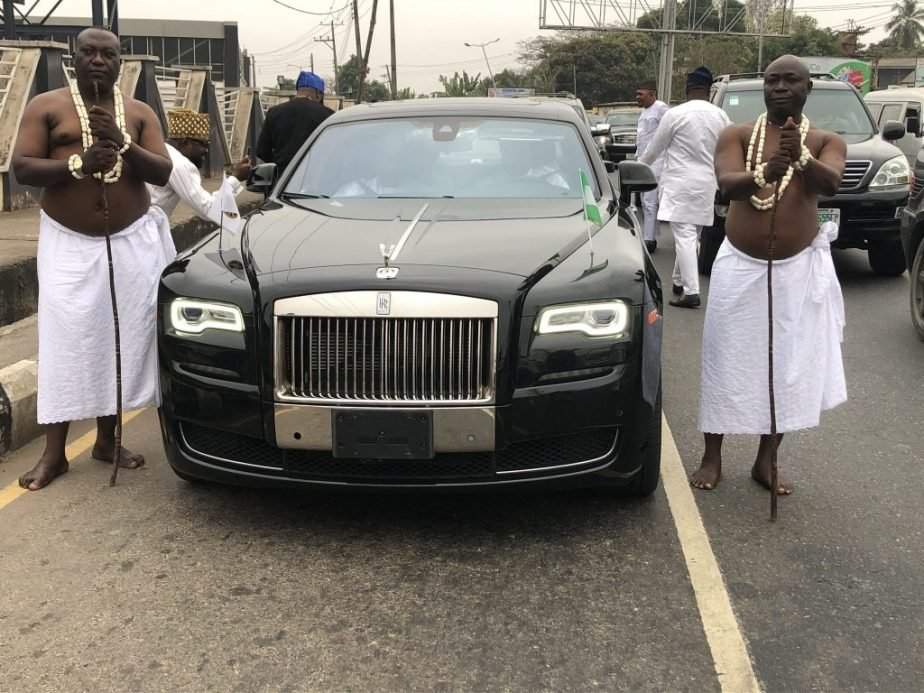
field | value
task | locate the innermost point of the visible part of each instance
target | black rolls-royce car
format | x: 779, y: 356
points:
x: 438, y: 293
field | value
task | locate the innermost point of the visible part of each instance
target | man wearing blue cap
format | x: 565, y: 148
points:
x: 288, y: 125
x: 685, y: 141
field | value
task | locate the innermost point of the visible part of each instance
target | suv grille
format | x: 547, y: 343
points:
x: 387, y: 359
x: 854, y: 173
x: 917, y: 184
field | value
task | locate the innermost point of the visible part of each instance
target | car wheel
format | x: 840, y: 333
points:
x: 887, y: 258
x: 710, y: 241
x: 917, y: 291
x: 647, y: 480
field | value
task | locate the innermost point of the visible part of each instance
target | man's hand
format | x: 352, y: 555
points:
x: 100, y: 157
x: 777, y: 166
x: 791, y: 140
x: 103, y: 126
x: 241, y: 170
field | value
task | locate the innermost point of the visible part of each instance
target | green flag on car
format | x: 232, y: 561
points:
x: 591, y: 211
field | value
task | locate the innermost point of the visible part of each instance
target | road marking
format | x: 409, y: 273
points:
x: 726, y: 642
x: 13, y: 491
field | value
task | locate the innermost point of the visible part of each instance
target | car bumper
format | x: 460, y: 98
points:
x: 584, y: 433
x: 867, y: 216
x: 911, y: 233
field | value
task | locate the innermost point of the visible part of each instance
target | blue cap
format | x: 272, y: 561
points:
x: 309, y: 80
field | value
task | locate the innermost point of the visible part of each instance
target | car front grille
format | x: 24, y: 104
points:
x: 412, y: 360
x: 529, y: 458
x: 624, y: 139
x: 854, y: 173
x: 917, y: 183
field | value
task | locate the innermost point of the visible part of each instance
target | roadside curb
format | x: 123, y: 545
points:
x: 18, y: 399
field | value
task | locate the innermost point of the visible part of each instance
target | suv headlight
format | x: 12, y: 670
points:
x: 194, y: 317
x: 892, y: 174
x: 598, y: 319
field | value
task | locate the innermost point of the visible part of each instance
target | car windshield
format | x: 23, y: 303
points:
x: 626, y: 118
x: 835, y: 110
x: 452, y: 157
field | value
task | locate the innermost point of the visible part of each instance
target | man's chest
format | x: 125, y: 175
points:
x: 66, y: 129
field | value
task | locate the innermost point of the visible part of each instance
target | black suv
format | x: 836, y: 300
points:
x: 876, y: 180
x: 913, y: 240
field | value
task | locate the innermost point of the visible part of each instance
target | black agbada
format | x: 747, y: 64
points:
x: 287, y: 127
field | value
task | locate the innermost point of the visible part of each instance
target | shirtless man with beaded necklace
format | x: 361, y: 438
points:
x: 781, y: 147
x: 68, y: 142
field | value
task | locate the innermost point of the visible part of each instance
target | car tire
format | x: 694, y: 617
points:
x: 709, y: 243
x: 917, y: 291
x: 887, y: 258
x: 646, y: 481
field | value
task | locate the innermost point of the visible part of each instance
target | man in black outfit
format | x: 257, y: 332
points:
x: 288, y: 125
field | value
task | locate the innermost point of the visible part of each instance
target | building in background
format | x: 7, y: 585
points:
x: 177, y: 43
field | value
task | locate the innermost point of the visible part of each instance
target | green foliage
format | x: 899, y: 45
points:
x: 805, y: 39
x: 348, y: 76
x: 406, y: 93
x: 463, y: 85
x: 906, y: 28
x: 706, y: 16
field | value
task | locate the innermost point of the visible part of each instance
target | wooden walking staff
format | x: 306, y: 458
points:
x: 774, y: 441
x: 117, y: 454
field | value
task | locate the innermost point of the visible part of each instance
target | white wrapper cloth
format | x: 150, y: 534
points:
x: 76, y: 370
x: 808, y: 311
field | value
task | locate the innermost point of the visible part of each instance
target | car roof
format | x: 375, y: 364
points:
x: 523, y: 107
x: 895, y: 94
x: 755, y: 84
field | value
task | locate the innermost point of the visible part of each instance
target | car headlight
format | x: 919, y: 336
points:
x: 893, y: 173
x: 603, y: 319
x: 192, y: 316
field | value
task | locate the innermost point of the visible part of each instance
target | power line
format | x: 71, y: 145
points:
x: 314, y: 14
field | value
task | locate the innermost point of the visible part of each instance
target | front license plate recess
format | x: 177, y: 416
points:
x: 829, y: 214
x: 387, y: 435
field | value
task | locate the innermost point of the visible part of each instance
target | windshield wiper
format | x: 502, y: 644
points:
x: 303, y: 196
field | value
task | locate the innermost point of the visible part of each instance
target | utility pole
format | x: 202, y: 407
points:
x: 666, y: 65
x: 574, y: 73
x: 359, y: 53
x: 485, y: 54
x: 9, y: 19
x: 394, y: 60
x: 331, y: 42
x: 311, y: 61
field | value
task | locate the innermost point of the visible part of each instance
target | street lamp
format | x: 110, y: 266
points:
x: 485, y: 54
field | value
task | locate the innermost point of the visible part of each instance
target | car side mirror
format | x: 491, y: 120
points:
x: 262, y: 179
x: 892, y: 130
x: 635, y: 177
x: 600, y: 129
x: 913, y: 126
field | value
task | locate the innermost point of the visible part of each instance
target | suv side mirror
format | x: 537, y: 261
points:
x: 892, y: 130
x: 262, y: 179
x: 635, y: 177
x: 913, y: 125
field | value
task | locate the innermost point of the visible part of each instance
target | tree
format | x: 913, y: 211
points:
x: 348, y: 76
x: 907, y: 26
x: 406, y: 93
x: 462, y: 85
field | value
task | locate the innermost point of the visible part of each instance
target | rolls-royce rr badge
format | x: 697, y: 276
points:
x: 383, y: 303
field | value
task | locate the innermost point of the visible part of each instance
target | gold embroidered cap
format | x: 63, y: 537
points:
x: 184, y: 123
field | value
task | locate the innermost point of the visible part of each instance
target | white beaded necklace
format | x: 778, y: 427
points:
x: 115, y: 173
x: 762, y: 204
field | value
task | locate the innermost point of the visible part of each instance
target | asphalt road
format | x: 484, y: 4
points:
x: 158, y: 585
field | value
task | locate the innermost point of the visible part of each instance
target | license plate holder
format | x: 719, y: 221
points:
x: 386, y: 435
x: 829, y: 214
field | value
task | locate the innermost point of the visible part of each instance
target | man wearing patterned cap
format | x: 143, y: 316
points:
x: 187, y: 146
x: 290, y: 124
x: 685, y: 141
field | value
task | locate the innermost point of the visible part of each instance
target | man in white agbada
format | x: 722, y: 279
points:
x: 808, y: 309
x: 686, y: 140
x: 653, y: 110
x: 187, y: 146
x: 67, y: 138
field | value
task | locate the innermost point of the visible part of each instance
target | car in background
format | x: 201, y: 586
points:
x: 876, y: 181
x: 421, y: 302
x: 905, y: 106
x: 600, y: 131
x: 623, y: 124
x: 912, y: 233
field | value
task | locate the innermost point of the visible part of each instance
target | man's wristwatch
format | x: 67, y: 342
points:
x: 75, y: 166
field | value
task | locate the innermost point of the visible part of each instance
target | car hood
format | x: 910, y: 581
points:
x: 509, y: 236
x: 873, y: 149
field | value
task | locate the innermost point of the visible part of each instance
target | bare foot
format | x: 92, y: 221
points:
x: 47, y: 470
x: 127, y: 460
x: 708, y: 475
x: 760, y: 472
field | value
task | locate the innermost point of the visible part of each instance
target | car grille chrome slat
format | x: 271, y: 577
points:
x: 405, y: 360
x: 854, y: 173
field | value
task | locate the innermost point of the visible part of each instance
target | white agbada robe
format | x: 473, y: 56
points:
x: 76, y: 367
x: 808, y: 319
x: 686, y: 140
x: 185, y: 185
x: 648, y: 123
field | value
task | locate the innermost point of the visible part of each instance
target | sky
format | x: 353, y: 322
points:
x: 430, y: 33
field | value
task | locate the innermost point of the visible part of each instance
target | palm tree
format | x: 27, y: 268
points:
x: 906, y: 28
